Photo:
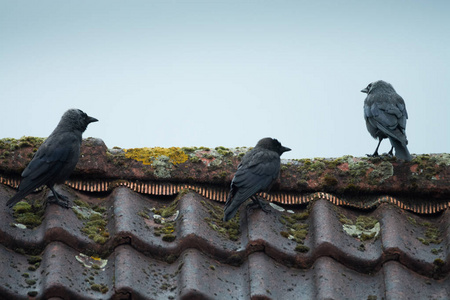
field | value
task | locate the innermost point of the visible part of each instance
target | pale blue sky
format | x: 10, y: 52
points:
x: 225, y: 73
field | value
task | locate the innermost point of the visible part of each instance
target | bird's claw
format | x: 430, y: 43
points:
x: 260, y: 203
x: 265, y: 209
x: 380, y: 156
x: 251, y: 205
x: 59, y: 199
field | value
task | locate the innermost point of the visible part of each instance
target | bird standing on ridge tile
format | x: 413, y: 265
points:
x: 56, y: 158
x: 385, y: 115
x: 256, y: 173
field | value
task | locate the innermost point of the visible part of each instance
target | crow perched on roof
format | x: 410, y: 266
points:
x: 385, y: 115
x: 257, y: 171
x: 56, y: 158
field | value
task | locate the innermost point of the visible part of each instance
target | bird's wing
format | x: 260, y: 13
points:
x: 404, y: 116
x: 48, y: 161
x: 255, y: 176
x: 387, y: 117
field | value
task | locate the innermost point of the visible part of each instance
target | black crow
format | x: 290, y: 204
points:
x: 256, y: 173
x: 56, y: 158
x: 385, y: 115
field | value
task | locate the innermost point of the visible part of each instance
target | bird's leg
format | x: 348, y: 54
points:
x: 375, y: 154
x: 391, y: 153
x: 59, y: 199
x: 260, y: 203
x: 252, y: 204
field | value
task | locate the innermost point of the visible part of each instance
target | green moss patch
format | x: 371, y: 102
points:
x: 166, y: 232
x: 432, y: 234
x: 94, y: 221
x: 32, y: 293
x: 34, y: 262
x: 165, y: 217
x: 296, y: 228
x: 381, y: 172
x: 301, y: 248
x: 11, y: 144
x: 317, y: 168
x: 99, y: 288
x: 436, y: 251
x: 358, y: 169
x: 438, y: 272
x: 93, y: 266
x: 195, y: 159
x: 29, y: 215
x: 373, y: 171
x: 214, y: 158
x: 30, y: 281
x: 329, y: 180
x: 308, y: 166
x: 364, y: 228
x: 224, y: 151
x: 230, y: 229
x: 170, y: 210
x: 189, y: 150
x: 428, y: 166
x: 34, y: 259
x: 168, y: 237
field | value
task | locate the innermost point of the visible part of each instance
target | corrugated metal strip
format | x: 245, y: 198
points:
x: 220, y: 194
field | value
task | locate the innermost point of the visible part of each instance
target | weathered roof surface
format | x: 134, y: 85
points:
x: 347, y: 228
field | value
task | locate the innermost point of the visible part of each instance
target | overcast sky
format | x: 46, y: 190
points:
x: 225, y: 73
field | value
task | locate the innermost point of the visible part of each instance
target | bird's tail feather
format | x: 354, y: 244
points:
x: 26, y: 187
x: 394, y: 134
x: 16, y: 198
x: 230, y: 209
x: 229, y: 214
x: 401, y: 151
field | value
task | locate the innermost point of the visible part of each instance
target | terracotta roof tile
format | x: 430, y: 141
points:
x: 133, y: 235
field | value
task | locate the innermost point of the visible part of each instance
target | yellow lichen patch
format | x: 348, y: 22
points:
x: 91, y: 261
x: 147, y: 155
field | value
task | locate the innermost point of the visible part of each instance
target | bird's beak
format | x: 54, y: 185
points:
x: 91, y: 119
x: 365, y: 90
x: 285, y: 149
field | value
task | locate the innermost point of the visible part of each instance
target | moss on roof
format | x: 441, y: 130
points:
x: 148, y: 156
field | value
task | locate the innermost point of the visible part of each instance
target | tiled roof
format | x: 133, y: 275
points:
x: 347, y: 228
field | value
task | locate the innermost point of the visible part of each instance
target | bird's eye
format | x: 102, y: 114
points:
x: 83, y: 114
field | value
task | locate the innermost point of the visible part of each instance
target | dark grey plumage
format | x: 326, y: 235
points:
x: 56, y: 158
x: 385, y: 114
x: 256, y: 173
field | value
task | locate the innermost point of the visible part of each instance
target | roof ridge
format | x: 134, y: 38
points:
x: 426, y: 175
